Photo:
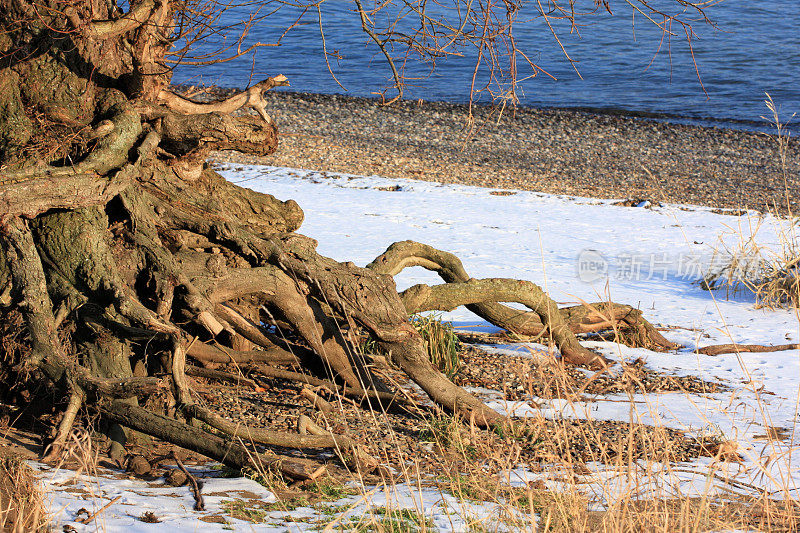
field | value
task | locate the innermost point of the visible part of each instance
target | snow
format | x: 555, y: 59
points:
x: 68, y: 492
x: 577, y: 249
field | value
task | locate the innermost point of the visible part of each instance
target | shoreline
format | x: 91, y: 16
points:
x: 736, y: 124
x: 558, y: 151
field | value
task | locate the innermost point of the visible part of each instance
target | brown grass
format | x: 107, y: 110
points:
x: 772, y: 275
x: 21, y: 507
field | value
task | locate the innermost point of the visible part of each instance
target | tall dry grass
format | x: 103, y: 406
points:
x: 21, y: 506
x: 772, y: 274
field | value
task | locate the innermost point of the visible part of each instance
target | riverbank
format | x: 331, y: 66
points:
x: 553, y: 151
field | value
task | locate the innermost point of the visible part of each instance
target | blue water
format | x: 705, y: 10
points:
x: 754, y: 49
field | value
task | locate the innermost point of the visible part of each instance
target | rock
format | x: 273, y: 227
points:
x: 176, y: 478
x: 138, y: 465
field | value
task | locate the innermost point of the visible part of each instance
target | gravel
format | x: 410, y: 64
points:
x: 520, y: 377
x: 548, y: 150
x: 398, y: 439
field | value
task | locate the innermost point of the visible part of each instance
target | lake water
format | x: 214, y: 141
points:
x: 755, y: 48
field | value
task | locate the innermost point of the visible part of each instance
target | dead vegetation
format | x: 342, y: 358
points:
x: 771, y: 274
x: 21, y: 508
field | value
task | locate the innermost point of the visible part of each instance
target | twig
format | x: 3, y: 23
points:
x: 198, y: 498
x: 103, y: 508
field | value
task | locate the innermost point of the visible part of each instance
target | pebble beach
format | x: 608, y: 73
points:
x: 558, y: 151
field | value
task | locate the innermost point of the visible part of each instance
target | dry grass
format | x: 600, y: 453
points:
x: 619, y: 485
x: 440, y: 341
x: 21, y: 507
x: 771, y: 274
x: 568, y: 495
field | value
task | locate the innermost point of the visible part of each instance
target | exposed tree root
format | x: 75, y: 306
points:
x: 137, y: 257
x: 33, y: 190
x: 190, y: 279
x: 251, y: 97
x: 448, y: 296
x: 65, y: 426
x: 231, y: 452
x: 580, y: 319
x: 199, y: 504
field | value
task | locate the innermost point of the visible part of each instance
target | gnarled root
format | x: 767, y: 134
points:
x: 252, y: 97
x: 448, y: 296
x: 231, y: 452
x: 579, y: 319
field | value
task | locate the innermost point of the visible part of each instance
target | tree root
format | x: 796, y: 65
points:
x: 252, y: 97
x: 317, y: 401
x: 210, y: 354
x: 28, y: 275
x: 349, y: 451
x: 230, y: 452
x: 448, y: 296
x: 65, y: 426
x: 580, y: 319
x: 199, y: 504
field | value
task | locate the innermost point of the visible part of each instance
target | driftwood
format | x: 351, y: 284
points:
x: 720, y: 349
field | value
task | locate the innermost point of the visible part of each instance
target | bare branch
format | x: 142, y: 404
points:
x: 252, y: 97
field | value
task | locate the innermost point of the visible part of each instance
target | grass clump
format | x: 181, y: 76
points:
x: 385, y: 520
x: 21, y: 505
x: 446, y: 433
x: 243, y: 510
x: 328, y: 489
x: 773, y: 276
x: 441, y: 342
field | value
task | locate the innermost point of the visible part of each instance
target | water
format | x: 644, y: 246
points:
x: 754, y: 49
